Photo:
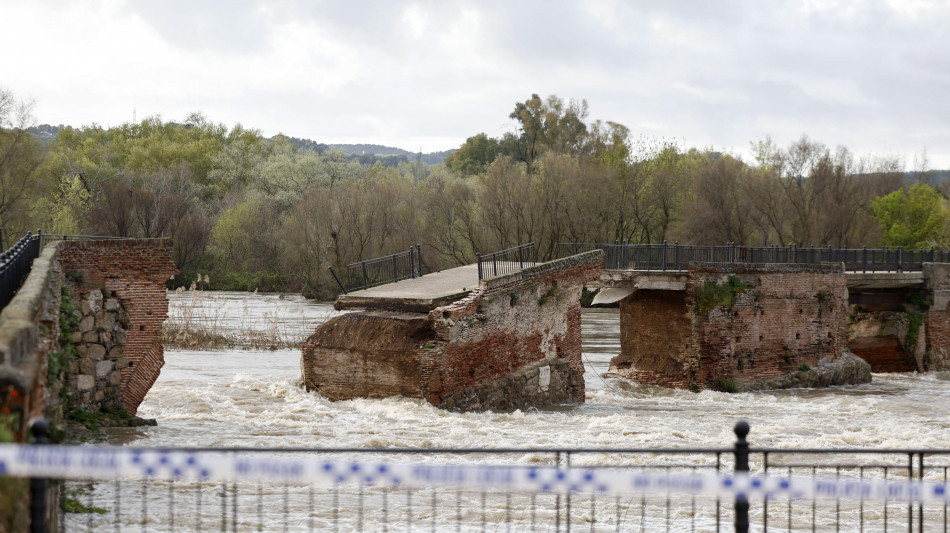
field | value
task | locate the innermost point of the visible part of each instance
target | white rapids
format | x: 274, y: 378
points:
x: 254, y: 398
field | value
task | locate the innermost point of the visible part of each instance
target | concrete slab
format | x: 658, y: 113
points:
x: 417, y: 294
x: 884, y: 280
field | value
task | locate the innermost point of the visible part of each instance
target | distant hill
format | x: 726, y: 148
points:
x: 45, y: 132
x: 432, y: 158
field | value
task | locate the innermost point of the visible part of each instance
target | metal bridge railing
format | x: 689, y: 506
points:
x: 623, y: 256
x: 15, y: 265
x: 546, y: 489
x: 382, y: 270
x: 506, y: 261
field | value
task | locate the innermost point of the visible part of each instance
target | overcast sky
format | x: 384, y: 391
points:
x: 870, y: 75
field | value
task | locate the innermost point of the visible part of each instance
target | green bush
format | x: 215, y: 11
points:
x: 58, y: 360
x: 711, y: 295
x: 915, y: 320
x: 803, y: 368
x: 727, y: 385
x: 918, y: 300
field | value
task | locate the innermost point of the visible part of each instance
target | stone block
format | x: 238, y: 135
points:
x: 116, y: 352
x: 96, y: 352
x: 112, y: 304
x: 121, y: 362
x: 77, y: 337
x: 121, y: 337
x: 115, y: 377
x: 123, y: 318
x: 99, y: 396
x: 103, y: 368
x: 88, y: 323
x: 85, y: 382
x: 105, y: 337
x: 108, y: 321
x: 90, y: 336
x: 87, y: 366
x: 94, y: 300
x: 81, y: 350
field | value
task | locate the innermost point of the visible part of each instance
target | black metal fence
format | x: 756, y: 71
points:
x: 358, y: 504
x: 46, y: 238
x: 15, y: 266
x: 622, y: 256
x: 382, y: 270
x: 506, y: 261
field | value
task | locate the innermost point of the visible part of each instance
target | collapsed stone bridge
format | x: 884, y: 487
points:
x: 738, y: 322
x: 509, y: 342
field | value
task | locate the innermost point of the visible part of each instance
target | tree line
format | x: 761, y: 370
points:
x: 246, y: 212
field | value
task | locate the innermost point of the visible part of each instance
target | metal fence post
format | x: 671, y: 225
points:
x: 38, y: 503
x: 676, y: 255
x: 900, y: 259
x: 1, y: 241
x: 395, y: 270
x: 365, y: 279
x: 337, y: 280
x: 663, y: 262
x: 478, y: 257
x: 412, y: 263
x: 742, y: 466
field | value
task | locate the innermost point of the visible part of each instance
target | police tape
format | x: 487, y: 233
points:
x: 105, y: 463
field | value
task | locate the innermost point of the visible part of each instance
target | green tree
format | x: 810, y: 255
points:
x: 474, y: 156
x: 551, y: 124
x: 20, y: 158
x: 917, y: 218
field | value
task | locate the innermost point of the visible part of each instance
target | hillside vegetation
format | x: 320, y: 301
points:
x: 248, y: 213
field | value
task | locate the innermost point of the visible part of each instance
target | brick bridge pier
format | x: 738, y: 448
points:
x: 776, y: 325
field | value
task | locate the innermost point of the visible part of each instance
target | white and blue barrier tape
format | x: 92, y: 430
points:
x: 86, y: 463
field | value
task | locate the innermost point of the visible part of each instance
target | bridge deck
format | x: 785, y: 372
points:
x: 416, y: 294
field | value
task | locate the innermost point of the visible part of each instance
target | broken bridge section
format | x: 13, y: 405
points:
x: 735, y: 327
x: 505, y: 343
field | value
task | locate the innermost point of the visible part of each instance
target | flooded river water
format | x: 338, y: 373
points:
x: 254, y: 398
x: 243, y: 397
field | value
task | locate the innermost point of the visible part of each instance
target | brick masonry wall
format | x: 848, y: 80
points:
x: 655, y: 339
x: 788, y: 316
x: 937, y: 337
x: 517, y: 325
x: 785, y: 320
x: 515, y: 342
x: 135, y: 272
